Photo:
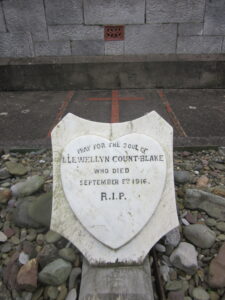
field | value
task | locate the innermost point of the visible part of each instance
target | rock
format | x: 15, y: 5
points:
x: 47, y: 255
x: 216, y: 165
x: 56, y: 272
x: 29, y: 249
x: 182, y: 177
x: 191, y: 218
x: 172, y: 238
x: 52, y: 237
x: 26, y: 296
x: 160, y: 248
x: 217, y: 270
x: 221, y: 226
x: 199, y: 293
x: 5, y: 195
x: 62, y: 292
x: 219, y: 191
x: 210, y: 222
x: 16, y: 169
x: 75, y: 273
x: 202, y: 181
x: 37, y: 294
x: 27, y: 276
x: 164, y: 271
x: 23, y: 258
x: 174, y: 285
x: 9, y: 232
x: 28, y: 187
x: 10, y: 272
x: 6, y: 247
x: 213, y: 295
x: 67, y: 254
x: 72, y: 295
x: 33, y: 211
x: 184, y: 257
x: 3, y: 237
x: 21, y: 217
x: 4, y: 174
x: 40, y: 210
x: 4, y: 293
x: 200, y: 235
x: 177, y: 295
x: 52, y: 292
x: 213, y: 205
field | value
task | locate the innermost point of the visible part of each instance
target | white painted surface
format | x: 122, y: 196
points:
x: 113, y: 187
x: 65, y: 221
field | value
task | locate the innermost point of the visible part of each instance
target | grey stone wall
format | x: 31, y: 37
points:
x: 76, y: 27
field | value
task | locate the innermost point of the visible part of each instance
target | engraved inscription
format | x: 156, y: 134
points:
x: 110, y: 184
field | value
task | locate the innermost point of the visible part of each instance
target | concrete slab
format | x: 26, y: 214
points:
x: 197, y: 115
x: 201, y: 112
x: 28, y: 116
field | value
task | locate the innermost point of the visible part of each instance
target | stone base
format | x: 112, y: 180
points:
x: 112, y: 283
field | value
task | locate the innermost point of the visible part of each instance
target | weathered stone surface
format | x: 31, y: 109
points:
x: 219, y: 191
x: 221, y: 226
x: 214, y: 18
x: 159, y: 11
x: 172, y: 238
x: 56, y: 272
x: 216, y: 277
x: 184, y: 257
x: 75, y: 32
x: 27, y: 276
x: 16, y: 168
x: 40, y: 210
x: 176, y: 295
x: 200, y: 294
x: 4, y: 173
x: 24, y: 16
x: 145, y: 39
x: 114, y: 12
x: 75, y: 273
x: 64, y: 12
x: 66, y: 222
x: 4, y: 293
x: 187, y: 29
x: 20, y: 215
x: 213, y: 205
x: 200, y: 235
x: 199, y: 44
x: 48, y: 254
x: 72, y: 295
x: 10, y: 271
x: 114, y: 48
x: 33, y: 211
x: 67, y: 254
x: 3, y: 237
x: 28, y: 187
x: 202, y: 181
x: 122, y: 283
x: 52, y: 48
x: 182, y: 177
x: 52, y: 237
x: 2, y: 21
x: 5, y: 195
x: 88, y: 47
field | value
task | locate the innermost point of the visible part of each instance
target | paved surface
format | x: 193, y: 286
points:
x: 198, y: 116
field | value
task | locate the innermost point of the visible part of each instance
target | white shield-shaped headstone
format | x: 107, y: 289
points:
x: 113, y: 191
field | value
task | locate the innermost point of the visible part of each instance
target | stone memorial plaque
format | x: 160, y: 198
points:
x: 113, y: 186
